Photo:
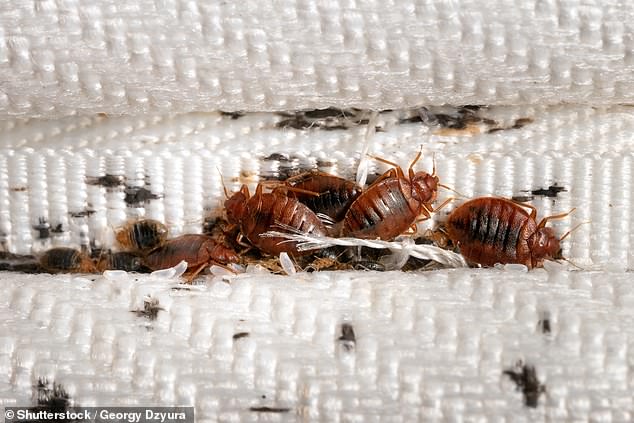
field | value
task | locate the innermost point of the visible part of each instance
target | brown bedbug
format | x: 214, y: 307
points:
x: 392, y: 204
x: 142, y: 235
x: 335, y: 194
x: 490, y: 230
x: 123, y: 260
x: 199, y: 251
x: 265, y: 212
x: 66, y: 260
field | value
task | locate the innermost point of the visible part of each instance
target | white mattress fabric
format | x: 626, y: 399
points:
x: 110, y: 111
x: 107, y: 56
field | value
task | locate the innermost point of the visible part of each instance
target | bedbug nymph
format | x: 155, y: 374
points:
x: 142, y: 235
x: 123, y: 260
x: 491, y: 230
x: 335, y: 194
x: 392, y: 204
x: 63, y: 259
x: 199, y: 251
x: 265, y: 212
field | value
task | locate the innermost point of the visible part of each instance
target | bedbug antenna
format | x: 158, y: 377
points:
x: 452, y: 190
x: 573, y: 229
x: 572, y: 262
x: 553, y: 217
x: 222, y: 181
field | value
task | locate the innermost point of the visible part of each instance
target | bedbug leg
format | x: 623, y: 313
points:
x: 190, y: 278
x: 533, y: 209
x: 392, y: 173
x: 444, y: 204
x: 397, y: 168
x: 412, y: 230
x: 298, y: 190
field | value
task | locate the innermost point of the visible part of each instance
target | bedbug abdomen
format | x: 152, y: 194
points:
x: 492, y: 230
x: 335, y: 194
x: 142, y: 235
x: 271, y: 212
x: 63, y: 259
x: 384, y: 211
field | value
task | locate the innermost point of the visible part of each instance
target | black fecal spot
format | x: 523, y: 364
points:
x: 150, y: 310
x: 240, y: 335
x: 106, y: 181
x: 543, y: 325
x: 552, y: 191
x: 296, y: 122
x: 83, y: 213
x: 138, y: 195
x: 18, y: 189
x: 525, y: 378
x: 324, y: 113
x: 338, y: 127
x: 449, y: 121
x: 233, y: 115
x: 327, y: 119
x: 348, y: 339
x: 413, y: 119
x: 492, y: 130
x: 473, y: 107
x: 58, y: 229
x: 270, y: 409
x: 522, y: 198
x: 277, y: 157
x: 43, y: 228
x: 51, y: 398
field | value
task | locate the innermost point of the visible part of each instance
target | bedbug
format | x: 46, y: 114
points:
x: 392, y: 203
x: 63, y: 259
x: 199, y: 251
x: 142, y: 235
x: 335, y: 194
x: 491, y: 230
x: 265, y: 212
x: 130, y: 262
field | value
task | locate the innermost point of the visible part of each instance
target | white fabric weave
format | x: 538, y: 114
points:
x: 108, y: 112
x: 90, y: 56
x: 429, y: 346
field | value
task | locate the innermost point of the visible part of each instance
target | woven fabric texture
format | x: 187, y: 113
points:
x: 428, y: 347
x: 105, y: 56
x: 110, y: 111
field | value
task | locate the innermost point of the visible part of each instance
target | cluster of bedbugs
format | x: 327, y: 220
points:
x: 486, y: 230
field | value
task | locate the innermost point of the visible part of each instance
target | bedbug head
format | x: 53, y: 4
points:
x: 425, y: 187
x: 235, y: 205
x: 544, y: 244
